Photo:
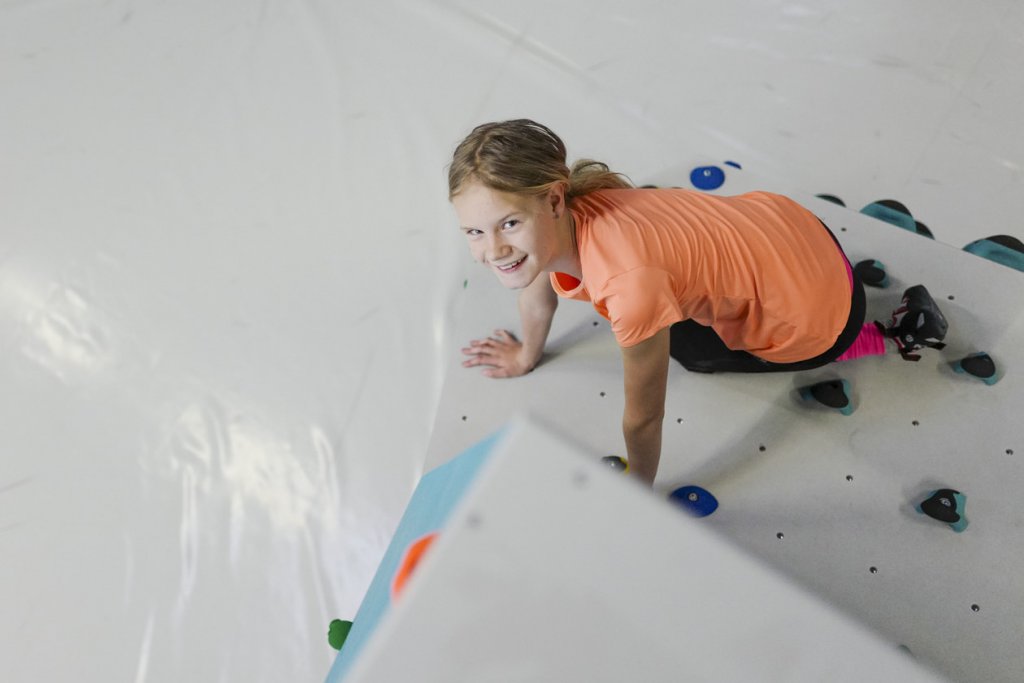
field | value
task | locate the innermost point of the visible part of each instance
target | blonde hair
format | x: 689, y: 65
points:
x: 524, y: 157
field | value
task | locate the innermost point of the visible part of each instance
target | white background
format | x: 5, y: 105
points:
x: 228, y: 266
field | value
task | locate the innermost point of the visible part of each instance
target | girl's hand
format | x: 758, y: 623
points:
x: 502, y: 353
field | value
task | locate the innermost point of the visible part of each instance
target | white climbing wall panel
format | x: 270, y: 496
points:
x: 553, y: 568
x: 825, y: 498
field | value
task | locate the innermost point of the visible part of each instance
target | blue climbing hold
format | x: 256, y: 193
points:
x: 707, y: 177
x: 695, y: 500
x: 733, y: 164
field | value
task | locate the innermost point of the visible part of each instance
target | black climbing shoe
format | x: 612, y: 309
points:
x: 917, y: 323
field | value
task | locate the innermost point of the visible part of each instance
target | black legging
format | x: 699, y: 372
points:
x: 700, y: 349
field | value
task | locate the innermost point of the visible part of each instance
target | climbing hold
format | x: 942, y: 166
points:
x: 707, y: 177
x: 872, y: 273
x: 979, y: 365
x: 895, y: 213
x: 413, y: 556
x: 1002, y: 249
x: 834, y: 393
x: 337, y: 633
x: 733, y: 164
x: 946, y: 505
x: 695, y: 500
x: 616, y: 463
x: 831, y: 198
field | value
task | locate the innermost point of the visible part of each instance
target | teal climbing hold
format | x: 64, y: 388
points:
x: 872, y: 273
x: 978, y: 365
x: 895, y: 213
x: 946, y: 505
x: 1002, y: 249
x: 834, y: 394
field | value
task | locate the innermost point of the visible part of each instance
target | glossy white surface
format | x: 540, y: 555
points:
x: 228, y: 269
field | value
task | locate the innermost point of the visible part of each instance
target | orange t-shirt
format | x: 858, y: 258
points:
x: 758, y: 268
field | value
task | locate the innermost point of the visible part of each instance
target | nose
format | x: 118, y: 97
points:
x: 497, y: 249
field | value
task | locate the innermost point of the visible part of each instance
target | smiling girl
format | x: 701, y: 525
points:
x: 754, y: 283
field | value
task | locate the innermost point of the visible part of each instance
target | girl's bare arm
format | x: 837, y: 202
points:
x: 502, y: 353
x: 645, y: 374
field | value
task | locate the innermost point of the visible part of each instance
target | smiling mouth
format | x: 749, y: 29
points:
x: 512, y: 266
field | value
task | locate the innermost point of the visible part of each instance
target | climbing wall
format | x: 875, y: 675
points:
x: 640, y: 592
x: 828, y: 499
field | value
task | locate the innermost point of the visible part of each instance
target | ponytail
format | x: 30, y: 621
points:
x: 589, y: 176
x: 524, y: 157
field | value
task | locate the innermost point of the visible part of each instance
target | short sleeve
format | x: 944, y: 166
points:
x: 640, y: 302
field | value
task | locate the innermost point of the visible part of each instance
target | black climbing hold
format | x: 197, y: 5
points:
x: 707, y: 177
x: 946, y: 505
x: 616, y: 463
x: 872, y: 273
x: 922, y: 229
x: 1008, y: 241
x: 337, y: 633
x: 648, y: 187
x: 833, y: 393
x: 979, y: 365
x: 831, y: 198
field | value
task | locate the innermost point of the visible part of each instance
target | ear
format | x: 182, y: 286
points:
x: 555, y: 200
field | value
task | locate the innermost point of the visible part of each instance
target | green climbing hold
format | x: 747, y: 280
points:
x: 338, y: 633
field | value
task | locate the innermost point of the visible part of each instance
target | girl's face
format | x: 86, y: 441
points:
x: 516, y: 236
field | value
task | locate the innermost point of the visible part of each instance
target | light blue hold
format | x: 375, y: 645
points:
x: 998, y: 253
x: 890, y: 215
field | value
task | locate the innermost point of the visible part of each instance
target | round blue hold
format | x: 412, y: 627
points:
x: 707, y: 177
x: 695, y: 500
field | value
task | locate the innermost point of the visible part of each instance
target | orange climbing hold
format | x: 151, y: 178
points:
x: 413, y: 555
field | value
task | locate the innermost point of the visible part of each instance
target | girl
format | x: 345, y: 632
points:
x: 754, y: 283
